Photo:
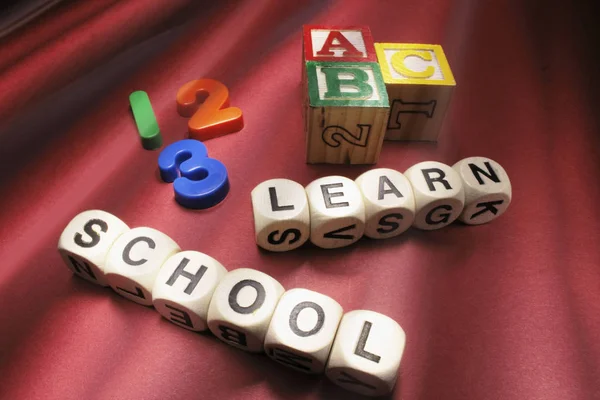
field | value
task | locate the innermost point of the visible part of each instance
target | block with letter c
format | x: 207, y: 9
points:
x: 419, y: 84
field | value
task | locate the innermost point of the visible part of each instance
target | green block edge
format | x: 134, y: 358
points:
x: 313, y: 88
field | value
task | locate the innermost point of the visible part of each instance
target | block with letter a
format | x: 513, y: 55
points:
x: 338, y: 43
x: 419, y: 84
x: 346, y: 112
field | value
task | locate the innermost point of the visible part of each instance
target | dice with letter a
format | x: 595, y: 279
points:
x: 389, y: 202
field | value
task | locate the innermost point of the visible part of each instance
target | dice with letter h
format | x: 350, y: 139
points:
x: 346, y: 104
x: 419, y: 84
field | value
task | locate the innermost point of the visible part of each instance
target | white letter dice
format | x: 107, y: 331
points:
x: 184, y: 286
x: 85, y: 242
x: 389, y: 202
x: 366, y: 353
x: 337, y: 212
x: 134, y: 260
x: 302, y: 330
x: 242, y: 306
x: 439, y: 194
x: 487, y: 189
x: 281, y: 216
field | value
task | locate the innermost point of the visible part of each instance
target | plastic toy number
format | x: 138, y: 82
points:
x: 198, y: 181
x: 213, y: 117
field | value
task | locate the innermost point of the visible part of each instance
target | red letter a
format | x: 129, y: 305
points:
x: 343, y: 43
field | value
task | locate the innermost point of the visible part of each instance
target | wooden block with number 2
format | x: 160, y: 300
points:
x: 206, y: 101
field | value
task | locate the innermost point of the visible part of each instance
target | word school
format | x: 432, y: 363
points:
x: 335, y: 211
x: 248, y: 309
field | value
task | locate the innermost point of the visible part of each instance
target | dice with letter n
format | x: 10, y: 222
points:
x: 346, y: 106
x: 419, y: 84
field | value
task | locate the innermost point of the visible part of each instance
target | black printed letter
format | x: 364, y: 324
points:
x: 89, y: 229
x: 327, y: 195
x: 194, y: 278
x: 431, y: 180
x: 127, y: 250
x: 294, y: 318
x: 258, y: 302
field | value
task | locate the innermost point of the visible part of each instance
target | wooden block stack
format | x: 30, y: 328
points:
x: 346, y: 104
x: 358, y: 92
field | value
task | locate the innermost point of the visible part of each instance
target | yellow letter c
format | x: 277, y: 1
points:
x: 398, y: 63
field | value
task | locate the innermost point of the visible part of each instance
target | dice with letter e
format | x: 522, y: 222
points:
x: 302, y: 330
x: 346, y: 112
x: 184, y: 287
x: 366, y: 354
x: 419, y: 84
x: 389, y: 202
x: 488, y: 191
x: 85, y: 242
x: 134, y: 260
x: 439, y: 194
x: 337, y: 212
x: 242, y: 306
x: 281, y: 216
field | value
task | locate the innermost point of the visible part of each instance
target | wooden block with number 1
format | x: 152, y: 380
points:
x: 419, y: 84
x: 346, y: 113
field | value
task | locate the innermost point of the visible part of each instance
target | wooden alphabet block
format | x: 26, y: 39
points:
x: 338, y: 43
x: 346, y: 112
x: 419, y: 84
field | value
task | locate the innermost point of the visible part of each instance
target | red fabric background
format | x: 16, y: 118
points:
x: 509, y: 310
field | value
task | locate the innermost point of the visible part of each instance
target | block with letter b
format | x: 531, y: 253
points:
x: 366, y: 354
x: 337, y: 212
x: 281, y: 215
x: 184, y: 287
x: 302, y: 330
x: 439, y: 194
x: 134, y: 260
x: 488, y: 191
x: 346, y: 112
x: 419, y: 84
x: 242, y: 306
x: 85, y: 242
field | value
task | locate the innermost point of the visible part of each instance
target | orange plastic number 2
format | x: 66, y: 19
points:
x: 213, y: 117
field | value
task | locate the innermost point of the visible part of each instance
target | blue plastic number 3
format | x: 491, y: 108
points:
x: 199, y: 181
